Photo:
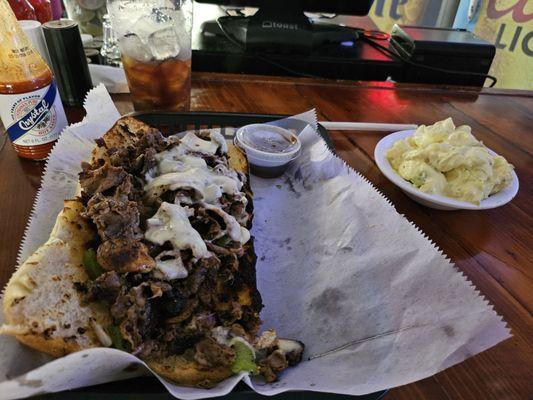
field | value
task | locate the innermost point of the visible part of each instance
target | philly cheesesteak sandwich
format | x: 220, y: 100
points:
x: 153, y: 257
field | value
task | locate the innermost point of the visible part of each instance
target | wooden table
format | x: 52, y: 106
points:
x: 494, y: 248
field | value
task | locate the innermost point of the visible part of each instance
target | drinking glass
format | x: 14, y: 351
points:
x: 154, y: 38
x: 88, y: 14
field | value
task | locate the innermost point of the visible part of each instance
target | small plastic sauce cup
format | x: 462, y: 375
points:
x: 269, y: 148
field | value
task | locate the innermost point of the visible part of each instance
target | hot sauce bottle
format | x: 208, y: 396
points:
x: 30, y: 106
x: 43, y: 10
x: 23, y: 9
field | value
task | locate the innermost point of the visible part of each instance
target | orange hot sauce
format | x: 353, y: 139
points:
x: 30, y: 106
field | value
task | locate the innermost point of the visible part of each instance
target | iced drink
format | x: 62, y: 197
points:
x: 155, y: 43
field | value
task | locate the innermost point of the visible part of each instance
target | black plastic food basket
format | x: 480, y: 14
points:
x: 170, y: 122
x: 149, y: 388
x: 173, y: 122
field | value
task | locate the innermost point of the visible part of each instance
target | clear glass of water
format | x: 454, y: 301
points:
x: 154, y: 38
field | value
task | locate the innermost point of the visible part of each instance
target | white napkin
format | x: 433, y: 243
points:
x: 113, y: 78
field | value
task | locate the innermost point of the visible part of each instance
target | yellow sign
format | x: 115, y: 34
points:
x: 509, y: 25
x: 506, y: 23
x: 386, y: 13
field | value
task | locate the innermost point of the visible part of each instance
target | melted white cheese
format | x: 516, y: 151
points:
x: 216, y: 137
x: 207, y: 184
x: 234, y: 230
x: 179, y: 164
x: 221, y: 335
x: 221, y: 169
x: 171, y: 268
x: 181, y: 167
x: 171, y: 224
x: 192, y: 142
x: 180, y: 159
x: 175, y: 159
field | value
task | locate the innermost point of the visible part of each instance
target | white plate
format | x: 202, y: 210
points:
x: 433, y: 200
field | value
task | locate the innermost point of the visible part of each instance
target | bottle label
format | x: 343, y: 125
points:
x: 33, y: 118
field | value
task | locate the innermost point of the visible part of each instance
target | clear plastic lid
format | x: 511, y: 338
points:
x: 268, y: 143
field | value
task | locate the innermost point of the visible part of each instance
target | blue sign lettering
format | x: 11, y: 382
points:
x: 34, y: 116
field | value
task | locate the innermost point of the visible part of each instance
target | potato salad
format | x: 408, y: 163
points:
x: 448, y: 160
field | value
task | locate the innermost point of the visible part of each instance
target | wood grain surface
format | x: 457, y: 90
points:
x: 494, y: 248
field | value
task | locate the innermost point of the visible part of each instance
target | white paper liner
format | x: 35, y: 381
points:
x: 373, y: 299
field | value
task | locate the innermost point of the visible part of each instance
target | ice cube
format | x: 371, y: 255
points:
x: 159, y: 26
x: 124, y: 13
x: 163, y: 15
x: 132, y: 46
x: 184, y: 41
x: 164, y: 43
x: 144, y: 26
